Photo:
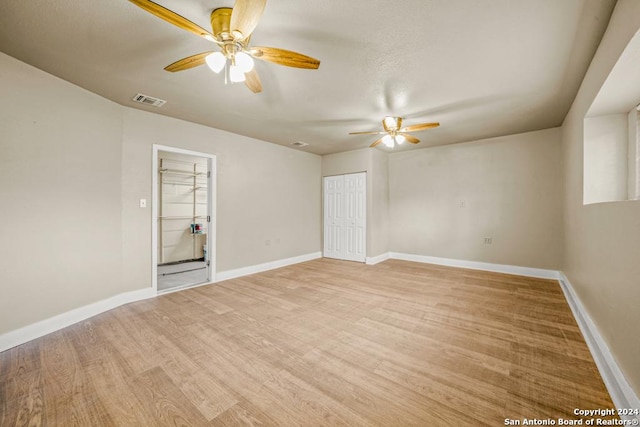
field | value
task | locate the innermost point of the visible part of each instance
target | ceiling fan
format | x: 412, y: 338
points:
x: 395, y: 134
x: 232, y: 28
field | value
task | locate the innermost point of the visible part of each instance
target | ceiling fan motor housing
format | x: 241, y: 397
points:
x: 221, y: 21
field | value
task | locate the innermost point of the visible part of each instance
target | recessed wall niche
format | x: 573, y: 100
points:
x: 611, y: 126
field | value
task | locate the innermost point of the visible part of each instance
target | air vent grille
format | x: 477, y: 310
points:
x: 149, y: 100
x: 299, y: 144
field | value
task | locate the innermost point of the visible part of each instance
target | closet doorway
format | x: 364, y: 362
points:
x: 345, y: 216
x: 184, y: 232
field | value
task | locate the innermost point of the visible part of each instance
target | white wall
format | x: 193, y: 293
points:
x: 445, y: 200
x: 73, y: 167
x: 60, y: 151
x: 602, y: 243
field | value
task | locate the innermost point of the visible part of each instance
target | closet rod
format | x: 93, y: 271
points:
x: 182, y: 217
x: 179, y: 172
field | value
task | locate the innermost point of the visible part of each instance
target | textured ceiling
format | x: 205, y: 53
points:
x: 481, y: 68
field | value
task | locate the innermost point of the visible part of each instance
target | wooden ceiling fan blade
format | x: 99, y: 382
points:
x: 285, y: 57
x: 173, y: 18
x: 377, y: 142
x: 245, y: 17
x: 410, y: 138
x: 188, y: 62
x: 367, y: 133
x: 252, y: 80
x: 422, y: 126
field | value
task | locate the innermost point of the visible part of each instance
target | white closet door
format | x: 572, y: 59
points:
x: 355, y: 189
x: 334, y: 217
x: 345, y: 217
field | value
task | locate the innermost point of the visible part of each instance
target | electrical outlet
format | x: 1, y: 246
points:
x: 463, y: 203
x: 488, y: 240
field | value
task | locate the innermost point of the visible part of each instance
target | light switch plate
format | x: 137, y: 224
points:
x: 143, y: 203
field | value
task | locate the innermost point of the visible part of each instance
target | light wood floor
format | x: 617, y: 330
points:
x: 320, y: 343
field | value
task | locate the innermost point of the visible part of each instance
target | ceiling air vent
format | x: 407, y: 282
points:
x: 149, y: 100
x: 299, y: 144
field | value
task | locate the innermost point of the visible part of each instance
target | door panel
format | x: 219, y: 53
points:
x: 345, y: 217
x: 333, y: 217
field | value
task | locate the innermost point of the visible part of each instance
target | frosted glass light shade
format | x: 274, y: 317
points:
x: 216, y: 61
x: 387, y: 140
x: 400, y: 139
x: 244, y: 61
x: 236, y: 74
x: 391, y: 122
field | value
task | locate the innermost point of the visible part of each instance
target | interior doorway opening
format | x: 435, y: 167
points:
x: 184, y: 230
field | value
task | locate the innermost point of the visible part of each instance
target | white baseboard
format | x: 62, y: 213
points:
x: 621, y: 392
x: 253, y: 269
x: 376, y: 259
x: 475, y: 265
x: 36, y: 330
x: 619, y: 389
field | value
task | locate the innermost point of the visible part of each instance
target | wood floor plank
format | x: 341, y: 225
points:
x: 244, y: 413
x: 204, y: 392
x: 22, y: 399
x: 318, y: 408
x: 411, y: 402
x: 477, y: 402
x: 163, y: 401
x: 70, y: 397
x: 21, y: 388
x: 324, y: 342
x: 377, y: 409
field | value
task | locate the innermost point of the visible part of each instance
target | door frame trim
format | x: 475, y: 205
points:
x: 211, y: 208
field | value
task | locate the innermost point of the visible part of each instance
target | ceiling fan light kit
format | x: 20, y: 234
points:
x: 391, y: 122
x: 244, y: 62
x: 216, y: 61
x: 394, y: 133
x: 231, y: 31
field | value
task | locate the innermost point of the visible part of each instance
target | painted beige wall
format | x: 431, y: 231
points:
x: 445, y: 200
x: 268, y: 196
x: 72, y: 170
x: 602, y: 241
x: 346, y: 162
x: 374, y: 163
x: 633, y: 157
x: 60, y: 202
x: 379, y: 203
